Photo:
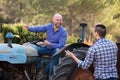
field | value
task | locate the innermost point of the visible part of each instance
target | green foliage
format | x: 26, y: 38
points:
x: 71, y: 39
x: 114, y: 31
x: 20, y: 34
x: 39, y: 12
x: 1, y: 38
x: 17, y: 30
x: 38, y: 19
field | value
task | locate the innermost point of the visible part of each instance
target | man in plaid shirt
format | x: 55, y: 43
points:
x: 103, y: 55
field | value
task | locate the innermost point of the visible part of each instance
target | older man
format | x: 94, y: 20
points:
x: 56, y: 35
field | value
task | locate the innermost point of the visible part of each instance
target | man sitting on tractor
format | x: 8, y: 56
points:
x: 56, y: 35
x: 55, y: 39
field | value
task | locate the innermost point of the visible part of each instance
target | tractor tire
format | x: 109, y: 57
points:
x: 67, y: 68
x: 11, y: 75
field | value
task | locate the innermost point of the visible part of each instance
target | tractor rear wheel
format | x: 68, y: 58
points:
x: 67, y: 68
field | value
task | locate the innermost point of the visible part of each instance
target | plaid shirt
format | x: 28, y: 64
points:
x: 103, y: 55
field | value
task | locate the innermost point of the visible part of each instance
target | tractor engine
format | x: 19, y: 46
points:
x: 20, y: 62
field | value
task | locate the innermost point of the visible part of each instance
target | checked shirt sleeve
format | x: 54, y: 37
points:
x: 88, y: 59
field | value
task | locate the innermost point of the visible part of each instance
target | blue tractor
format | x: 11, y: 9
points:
x: 22, y: 62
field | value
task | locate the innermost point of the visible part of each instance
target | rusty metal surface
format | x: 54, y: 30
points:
x: 82, y: 74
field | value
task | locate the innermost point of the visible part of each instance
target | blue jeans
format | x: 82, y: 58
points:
x: 46, y: 51
x: 112, y: 78
x: 53, y: 60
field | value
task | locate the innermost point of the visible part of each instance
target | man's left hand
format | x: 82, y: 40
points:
x: 47, y: 43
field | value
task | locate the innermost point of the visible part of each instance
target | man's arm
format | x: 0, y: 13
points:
x: 42, y: 28
x: 87, y: 61
x: 70, y: 54
x: 62, y: 41
x: 37, y: 28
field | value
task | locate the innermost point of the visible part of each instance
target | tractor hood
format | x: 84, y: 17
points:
x: 15, y: 54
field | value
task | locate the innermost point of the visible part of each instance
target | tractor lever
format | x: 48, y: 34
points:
x: 9, y: 35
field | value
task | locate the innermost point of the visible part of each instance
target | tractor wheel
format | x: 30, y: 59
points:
x: 11, y: 75
x: 67, y: 68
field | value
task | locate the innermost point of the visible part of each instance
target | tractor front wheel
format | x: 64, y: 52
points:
x: 67, y: 68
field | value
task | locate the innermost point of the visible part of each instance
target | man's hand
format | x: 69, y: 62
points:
x: 70, y: 54
x: 40, y: 44
x: 26, y: 25
x: 47, y: 43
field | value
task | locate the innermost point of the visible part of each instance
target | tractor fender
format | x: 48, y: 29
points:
x: 70, y: 47
x: 31, y: 49
x: 59, y: 54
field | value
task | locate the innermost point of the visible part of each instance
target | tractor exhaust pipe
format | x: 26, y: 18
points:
x: 83, y: 25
